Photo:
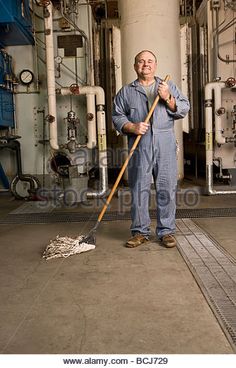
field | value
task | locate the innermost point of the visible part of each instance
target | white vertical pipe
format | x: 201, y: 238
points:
x: 209, y: 88
x: 91, y: 121
x: 116, y: 38
x: 218, y: 118
x: 91, y: 63
x: 117, y: 56
x: 102, y: 141
x: 217, y: 88
x: 184, y: 69
x: 48, y: 23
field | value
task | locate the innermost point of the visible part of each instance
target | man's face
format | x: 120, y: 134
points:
x: 146, y: 65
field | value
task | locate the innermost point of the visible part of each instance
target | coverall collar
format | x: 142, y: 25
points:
x: 139, y: 88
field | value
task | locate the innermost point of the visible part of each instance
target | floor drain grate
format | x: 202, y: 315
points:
x: 214, y: 270
x: 17, y: 217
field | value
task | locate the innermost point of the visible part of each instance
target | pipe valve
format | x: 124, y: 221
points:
x: 50, y: 118
x: 74, y: 88
x: 220, y: 111
x: 230, y: 82
x: 71, y: 117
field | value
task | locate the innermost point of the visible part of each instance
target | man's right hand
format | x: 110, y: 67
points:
x: 136, y: 128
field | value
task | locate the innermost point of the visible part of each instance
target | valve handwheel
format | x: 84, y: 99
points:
x: 230, y: 82
x: 74, y: 88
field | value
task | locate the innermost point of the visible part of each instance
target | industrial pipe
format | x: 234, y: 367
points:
x: 209, y: 88
x: 91, y: 121
x: 101, y: 128
x: 52, y: 115
x: 117, y: 56
x: 116, y: 42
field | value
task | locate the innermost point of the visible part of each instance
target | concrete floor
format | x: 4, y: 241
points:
x: 109, y: 300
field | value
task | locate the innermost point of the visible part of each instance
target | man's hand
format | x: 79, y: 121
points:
x: 164, y: 93
x: 136, y: 128
x: 163, y: 90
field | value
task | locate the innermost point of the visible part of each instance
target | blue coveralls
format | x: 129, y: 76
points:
x: 155, y: 155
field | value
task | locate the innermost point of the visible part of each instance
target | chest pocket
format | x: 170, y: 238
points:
x: 133, y: 114
x: 137, y: 106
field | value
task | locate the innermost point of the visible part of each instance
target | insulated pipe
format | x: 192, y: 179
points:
x: 102, y: 154
x: 101, y: 127
x: 116, y: 42
x: 48, y: 24
x: 91, y: 121
x: 91, y: 62
x: 117, y: 56
x: 209, y: 88
x: 84, y: 90
x: 210, y: 188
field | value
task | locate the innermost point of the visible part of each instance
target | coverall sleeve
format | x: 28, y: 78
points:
x: 182, y: 103
x: 120, y: 111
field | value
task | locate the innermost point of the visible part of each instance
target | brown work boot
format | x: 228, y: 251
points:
x: 136, y: 240
x: 168, y: 241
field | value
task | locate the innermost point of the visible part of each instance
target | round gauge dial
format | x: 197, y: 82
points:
x: 26, y: 77
x: 58, y: 59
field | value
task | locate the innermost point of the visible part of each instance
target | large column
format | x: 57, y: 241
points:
x: 153, y: 25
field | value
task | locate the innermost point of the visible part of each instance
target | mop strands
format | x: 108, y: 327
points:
x: 66, y: 246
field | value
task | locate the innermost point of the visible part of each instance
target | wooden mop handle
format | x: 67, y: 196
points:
x: 125, y: 164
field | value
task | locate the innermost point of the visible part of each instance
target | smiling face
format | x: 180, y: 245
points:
x: 145, y: 65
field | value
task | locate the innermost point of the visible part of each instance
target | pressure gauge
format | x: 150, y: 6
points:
x: 58, y: 59
x: 26, y: 77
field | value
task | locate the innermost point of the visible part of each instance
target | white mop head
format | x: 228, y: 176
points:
x: 64, y: 246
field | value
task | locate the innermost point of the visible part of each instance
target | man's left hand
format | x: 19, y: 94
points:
x: 163, y: 90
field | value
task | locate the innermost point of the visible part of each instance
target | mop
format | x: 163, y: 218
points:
x: 67, y: 246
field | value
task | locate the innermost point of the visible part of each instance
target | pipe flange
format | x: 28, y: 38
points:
x: 50, y: 119
x: 100, y: 107
x: 208, y: 103
x: 47, y: 32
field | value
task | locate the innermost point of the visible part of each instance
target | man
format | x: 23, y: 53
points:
x: 155, y: 155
